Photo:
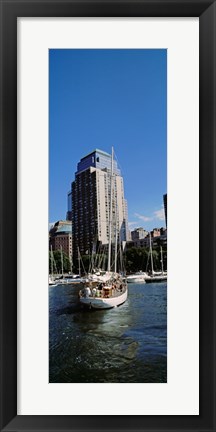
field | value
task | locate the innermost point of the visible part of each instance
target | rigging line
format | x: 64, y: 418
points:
x: 82, y: 265
x: 113, y: 262
x: 101, y: 258
x: 147, y: 261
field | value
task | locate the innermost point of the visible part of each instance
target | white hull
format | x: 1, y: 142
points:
x: 136, y: 280
x: 139, y: 277
x: 52, y: 282
x: 104, y: 303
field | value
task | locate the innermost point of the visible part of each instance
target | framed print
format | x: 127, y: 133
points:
x: 130, y: 361
x: 35, y: 38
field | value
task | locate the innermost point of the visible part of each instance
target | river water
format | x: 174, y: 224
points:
x: 127, y: 344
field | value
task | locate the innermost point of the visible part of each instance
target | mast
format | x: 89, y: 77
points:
x: 51, y: 262
x: 79, y: 261
x: 161, y: 259
x: 151, y: 253
x: 71, y: 250
x: 62, y: 262
x: 110, y: 216
x: 54, y: 263
x: 116, y: 240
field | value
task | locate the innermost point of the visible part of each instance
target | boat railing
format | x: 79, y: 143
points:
x: 104, y: 292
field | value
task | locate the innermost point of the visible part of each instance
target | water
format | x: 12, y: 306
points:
x: 127, y: 344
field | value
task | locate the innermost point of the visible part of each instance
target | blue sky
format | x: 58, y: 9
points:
x: 104, y: 98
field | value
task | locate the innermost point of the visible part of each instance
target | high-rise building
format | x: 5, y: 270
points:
x: 89, y: 203
x: 165, y: 207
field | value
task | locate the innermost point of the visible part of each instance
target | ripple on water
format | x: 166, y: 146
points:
x: 125, y: 344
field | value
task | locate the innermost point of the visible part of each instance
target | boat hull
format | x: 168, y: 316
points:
x: 135, y: 280
x: 138, y: 277
x: 156, y: 279
x: 104, y: 303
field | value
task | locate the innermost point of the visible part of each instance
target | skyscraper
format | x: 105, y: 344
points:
x: 89, y: 203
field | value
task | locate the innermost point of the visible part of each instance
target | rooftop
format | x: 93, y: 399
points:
x: 97, y: 151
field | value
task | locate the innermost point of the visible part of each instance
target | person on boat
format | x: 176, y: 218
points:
x: 113, y: 288
x: 87, y: 292
x: 98, y: 292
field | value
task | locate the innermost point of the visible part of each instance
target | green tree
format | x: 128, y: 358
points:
x: 57, y: 265
x: 139, y: 259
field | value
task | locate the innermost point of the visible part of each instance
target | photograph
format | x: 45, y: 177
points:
x: 107, y: 223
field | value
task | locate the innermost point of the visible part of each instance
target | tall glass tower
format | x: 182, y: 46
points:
x: 89, y: 203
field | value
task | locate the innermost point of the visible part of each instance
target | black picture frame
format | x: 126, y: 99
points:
x: 10, y: 11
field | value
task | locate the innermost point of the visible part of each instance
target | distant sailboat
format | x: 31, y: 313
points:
x: 138, y: 277
x: 156, y: 276
x: 52, y: 281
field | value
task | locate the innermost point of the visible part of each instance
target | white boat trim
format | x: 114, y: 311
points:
x: 105, y: 302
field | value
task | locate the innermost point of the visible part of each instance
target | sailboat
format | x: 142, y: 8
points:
x: 138, y: 277
x: 70, y: 279
x: 156, y: 276
x: 52, y: 281
x: 112, y: 290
